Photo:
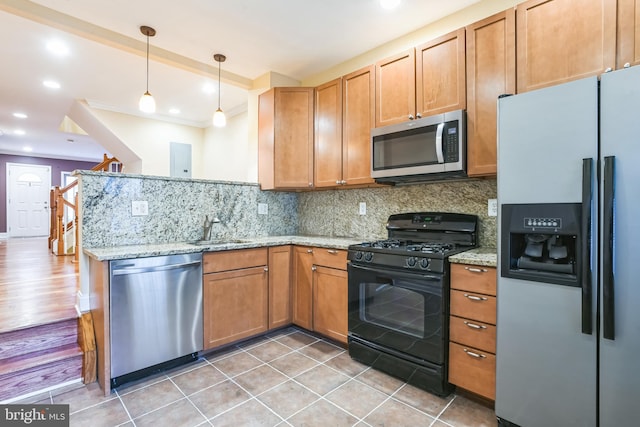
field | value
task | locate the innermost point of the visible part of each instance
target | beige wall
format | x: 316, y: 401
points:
x: 227, y: 154
x: 150, y: 139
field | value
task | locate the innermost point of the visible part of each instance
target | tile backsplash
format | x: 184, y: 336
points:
x: 177, y: 209
x: 335, y: 212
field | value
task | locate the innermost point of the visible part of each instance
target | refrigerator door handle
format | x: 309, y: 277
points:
x: 608, y: 282
x: 585, y: 256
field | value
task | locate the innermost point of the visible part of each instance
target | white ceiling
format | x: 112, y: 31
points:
x: 106, y: 62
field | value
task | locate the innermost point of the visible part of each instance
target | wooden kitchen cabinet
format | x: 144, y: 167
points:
x: 320, y: 291
x: 302, y: 288
x: 358, y: 96
x: 328, y: 134
x: 491, y: 72
x: 472, y: 329
x: 279, y: 286
x: 628, y: 33
x: 440, y: 75
x: 285, y: 138
x: 563, y: 40
x: 235, y: 303
x: 344, y: 117
x: 427, y: 80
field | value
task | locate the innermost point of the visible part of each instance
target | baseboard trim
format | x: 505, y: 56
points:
x: 77, y: 382
x: 4, y: 235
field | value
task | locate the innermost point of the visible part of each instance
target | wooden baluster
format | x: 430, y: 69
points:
x: 75, y: 230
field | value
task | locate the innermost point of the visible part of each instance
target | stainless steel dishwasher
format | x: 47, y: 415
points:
x: 155, y: 313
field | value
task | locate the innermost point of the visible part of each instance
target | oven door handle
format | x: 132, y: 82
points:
x: 411, y: 275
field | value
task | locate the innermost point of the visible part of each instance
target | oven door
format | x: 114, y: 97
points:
x: 402, y: 311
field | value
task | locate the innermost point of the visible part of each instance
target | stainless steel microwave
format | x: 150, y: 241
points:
x: 430, y: 148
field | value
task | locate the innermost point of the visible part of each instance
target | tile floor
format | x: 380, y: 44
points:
x: 287, y: 378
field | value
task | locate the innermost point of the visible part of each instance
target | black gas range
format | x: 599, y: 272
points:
x: 399, y: 296
x: 418, y: 241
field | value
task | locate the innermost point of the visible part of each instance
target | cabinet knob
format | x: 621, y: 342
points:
x: 627, y: 65
x: 418, y: 116
x: 338, y: 182
x: 608, y: 70
x: 266, y: 269
x: 314, y: 268
x: 411, y: 117
x: 343, y: 182
x: 310, y: 184
x: 309, y: 251
x: 476, y: 270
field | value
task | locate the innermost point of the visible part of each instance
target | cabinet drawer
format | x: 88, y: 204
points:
x: 473, y: 278
x: 473, y: 370
x: 214, y: 262
x: 473, y: 306
x: 472, y: 333
x: 332, y: 258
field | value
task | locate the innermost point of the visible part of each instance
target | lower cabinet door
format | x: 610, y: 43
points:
x: 473, y: 370
x: 330, y: 302
x: 235, y: 305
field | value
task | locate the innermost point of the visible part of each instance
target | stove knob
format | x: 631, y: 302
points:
x: 358, y: 255
x: 424, y: 263
x: 368, y: 256
x: 411, y: 262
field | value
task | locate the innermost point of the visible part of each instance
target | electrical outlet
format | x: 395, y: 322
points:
x: 492, y: 207
x: 362, y: 208
x: 139, y: 208
x: 263, y: 209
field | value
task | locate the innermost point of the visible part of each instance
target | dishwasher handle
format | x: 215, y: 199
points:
x: 128, y: 270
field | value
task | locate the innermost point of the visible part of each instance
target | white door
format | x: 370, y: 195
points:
x: 28, y: 189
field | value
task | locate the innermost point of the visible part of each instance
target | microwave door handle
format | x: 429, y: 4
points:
x: 439, y: 152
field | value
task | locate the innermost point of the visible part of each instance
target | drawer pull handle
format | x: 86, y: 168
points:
x: 332, y: 251
x: 476, y: 270
x: 475, y: 298
x: 309, y: 251
x: 474, y: 326
x: 476, y: 355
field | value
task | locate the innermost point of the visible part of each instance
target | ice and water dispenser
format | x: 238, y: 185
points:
x: 541, y: 242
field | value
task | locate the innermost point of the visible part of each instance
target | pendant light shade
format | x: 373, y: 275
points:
x: 147, y: 104
x: 219, y: 119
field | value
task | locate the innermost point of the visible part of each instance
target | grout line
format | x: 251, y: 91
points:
x: 445, y: 408
x: 125, y: 408
x: 191, y: 402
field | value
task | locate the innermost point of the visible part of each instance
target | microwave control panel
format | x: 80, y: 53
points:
x: 450, y: 142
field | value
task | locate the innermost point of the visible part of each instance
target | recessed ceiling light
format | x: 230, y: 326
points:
x: 209, y: 88
x: 389, y: 4
x: 27, y: 149
x: 20, y: 115
x: 51, y: 84
x: 19, y: 132
x: 174, y: 111
x: 57, y: 47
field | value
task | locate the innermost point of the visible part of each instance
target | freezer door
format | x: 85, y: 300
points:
x: 546, y: 367
x: 620, y: 319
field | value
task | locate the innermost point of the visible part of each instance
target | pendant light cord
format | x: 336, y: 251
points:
x: 147, y: 63
x: 219, y: 64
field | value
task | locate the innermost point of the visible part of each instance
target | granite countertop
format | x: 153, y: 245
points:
x: 140, y: 251
x: 479, y: 256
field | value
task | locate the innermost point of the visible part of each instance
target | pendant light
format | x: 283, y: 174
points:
x: 147, y: 104
x: 219, y: 119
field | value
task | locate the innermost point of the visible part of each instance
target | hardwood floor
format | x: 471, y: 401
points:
x: 36, y: 286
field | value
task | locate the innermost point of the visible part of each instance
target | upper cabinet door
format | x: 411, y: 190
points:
x: 562, y: 40
x: 491, y: 72
x: 358, y: 94
x: 440, y: 75
x: 628, y: 33
x: 395, y: 89
x: 328, y: 134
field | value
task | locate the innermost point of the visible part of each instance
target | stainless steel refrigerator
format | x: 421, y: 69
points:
x: 568, y: 349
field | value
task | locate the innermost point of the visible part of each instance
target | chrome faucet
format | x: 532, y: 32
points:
x: 206, y: 235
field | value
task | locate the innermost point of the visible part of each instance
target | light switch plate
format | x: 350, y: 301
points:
x: 139, y: 208
x: 263, y: 209
x: 492, y: 209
